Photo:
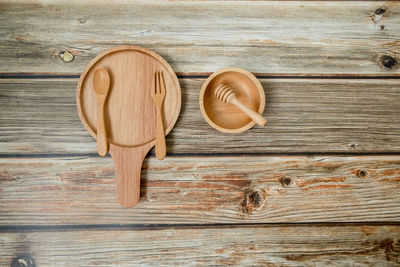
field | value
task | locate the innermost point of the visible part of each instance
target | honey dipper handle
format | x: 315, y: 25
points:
x: 260, y: 120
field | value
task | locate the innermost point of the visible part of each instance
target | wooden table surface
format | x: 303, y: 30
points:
x: 318, y: 186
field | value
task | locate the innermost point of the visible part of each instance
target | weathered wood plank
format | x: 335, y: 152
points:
x: 261, y: 189
x: 305, y: 115
x: 303, y: 245
x: 335, y: 37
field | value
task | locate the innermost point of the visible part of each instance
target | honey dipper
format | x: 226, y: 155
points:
x: 227, y: 95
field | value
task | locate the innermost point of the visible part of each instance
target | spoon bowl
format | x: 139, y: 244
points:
x: 101, y: 81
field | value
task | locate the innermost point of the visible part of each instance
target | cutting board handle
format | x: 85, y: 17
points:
x: 128, y: 164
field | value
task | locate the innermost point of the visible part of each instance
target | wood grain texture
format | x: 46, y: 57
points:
x: 198, y: 190
x: 305, y: 115
x: 58, y: 200
x: 260, y: 246
x: 334, y: 37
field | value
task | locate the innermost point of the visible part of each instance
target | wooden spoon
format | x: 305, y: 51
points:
x: 101, y: 85
x: 227, y: 95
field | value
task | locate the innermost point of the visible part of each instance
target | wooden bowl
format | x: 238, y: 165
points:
x: 226, y: 117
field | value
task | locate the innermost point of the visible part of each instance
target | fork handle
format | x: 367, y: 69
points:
x: 161, y: 149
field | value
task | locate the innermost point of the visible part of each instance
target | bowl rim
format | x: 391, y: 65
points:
x: 256, y: 83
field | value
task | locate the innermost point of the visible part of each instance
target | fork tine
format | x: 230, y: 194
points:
x: 159, y: 83
x: 155, y: 83
x: 162, y: 87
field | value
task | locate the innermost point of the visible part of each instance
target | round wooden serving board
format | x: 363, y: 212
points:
x: 130, y: 114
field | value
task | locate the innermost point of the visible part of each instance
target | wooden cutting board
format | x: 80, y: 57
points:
x: 130, y: 114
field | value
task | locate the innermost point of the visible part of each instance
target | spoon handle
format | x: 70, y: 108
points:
x: 102, y: 144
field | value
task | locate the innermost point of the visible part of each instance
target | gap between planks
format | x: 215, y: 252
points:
x: 151, y: 154
x: 149, y: 227
x: 205, y: 75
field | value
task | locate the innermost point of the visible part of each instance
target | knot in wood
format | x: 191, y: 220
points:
x: 66, y: 56
x: 379, y: 15
x: 82, y: 20
x: 361, y: 173
x: 285, y: 181
x: 251, y: 200
x: 23, y: 261
x: 380, y: 11
x: 388, y: 61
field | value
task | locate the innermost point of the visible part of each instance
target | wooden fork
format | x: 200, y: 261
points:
x: 158, y: 95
